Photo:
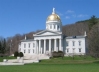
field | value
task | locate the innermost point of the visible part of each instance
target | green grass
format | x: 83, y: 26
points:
x: 52, y: 68
x: 67, y: 64
x: 1, y: 58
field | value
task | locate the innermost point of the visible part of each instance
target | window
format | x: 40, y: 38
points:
x: 54, y: 26
x: 33, y: 50
x: 79, y: 43
x: 58, y: 27
x: 29, y: 45
x: 24, y: 51
x: 33, y: 44
x: 50, y: 26
x: 29, y: 51
x: 79, y: 49
x: 67, y: 43
x: 24, y: 45
x: 73, y: 43
x: 67, y: 50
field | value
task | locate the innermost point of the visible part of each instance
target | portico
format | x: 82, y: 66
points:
x: 44, y: 46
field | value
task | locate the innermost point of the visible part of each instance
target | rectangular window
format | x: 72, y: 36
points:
x: 24, y: 51
x: 79, y: 43
x: 67, y: 43
x: 79, y: 49
x: 67, y: 50
x: 28, y: 50
x: 29, y: 45
x: 58, y: 27
x: 54, y: 26
x: 73, y: 43
x: 24, y: 45
x: 33, y: 50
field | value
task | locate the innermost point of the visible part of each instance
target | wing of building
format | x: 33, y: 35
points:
x: 51, y: 39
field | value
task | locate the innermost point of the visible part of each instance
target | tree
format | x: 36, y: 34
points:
x: 16, y: 54
x: 21, y: 54
x: 94, y: 41
x: 92, y: 21
x: 4, y: 46
x: 0, y: 47
x: 93, y: 36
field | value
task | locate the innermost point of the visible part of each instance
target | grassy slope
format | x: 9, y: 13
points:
x: 57, y: 65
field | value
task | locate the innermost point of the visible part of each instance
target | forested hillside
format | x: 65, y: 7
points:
x: 77, y: 28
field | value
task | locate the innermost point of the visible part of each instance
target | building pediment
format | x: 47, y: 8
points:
x: 47, y: 32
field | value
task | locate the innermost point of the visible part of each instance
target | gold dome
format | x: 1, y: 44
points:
x: 53, y: 16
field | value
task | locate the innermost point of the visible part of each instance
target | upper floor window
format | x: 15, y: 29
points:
x: 79, y: 43
x: 24, y: 45
x: 67, y: 43
x: 73, y: 43
x: 29, y: 45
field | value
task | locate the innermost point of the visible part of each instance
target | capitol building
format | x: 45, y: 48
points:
x: 52, y: 39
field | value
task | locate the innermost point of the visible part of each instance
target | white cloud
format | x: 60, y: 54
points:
x: 82, y: 15
x: 67, y: 17
x: 69, y: 11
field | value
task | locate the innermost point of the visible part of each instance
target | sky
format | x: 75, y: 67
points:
x: 24, y: 16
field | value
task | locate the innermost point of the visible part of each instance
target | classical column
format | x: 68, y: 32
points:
x: 60, y: 44
x: 55, y: 45
x: 35, y: 46
x: 49, y: 45
x: 44, y: 46
x: 39, y: 46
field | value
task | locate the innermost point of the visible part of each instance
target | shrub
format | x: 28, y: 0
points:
x: 57, y: 54
x: 16, y: 54
x: 21, y: 54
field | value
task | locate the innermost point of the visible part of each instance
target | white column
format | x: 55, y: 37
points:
x: 49, y: 45
x: 60, y: 44
x: 36, y: 47
x: 44, y: 46
x: 39, y: 46
x: 55, y: 45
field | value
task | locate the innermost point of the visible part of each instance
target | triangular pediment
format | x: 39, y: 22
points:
x: 46, y: 32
